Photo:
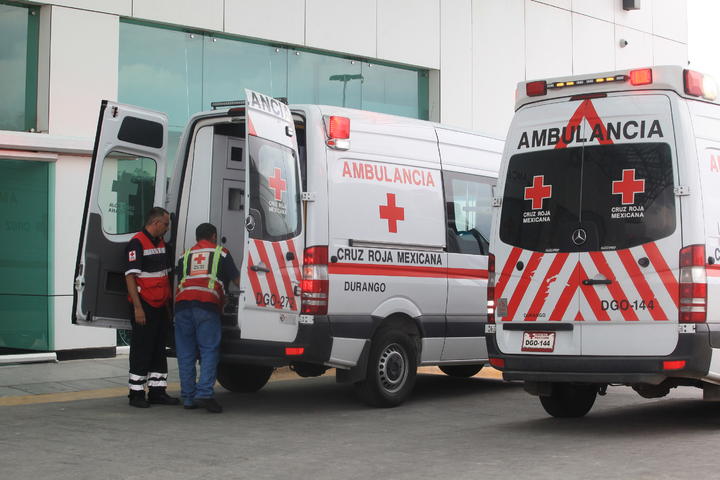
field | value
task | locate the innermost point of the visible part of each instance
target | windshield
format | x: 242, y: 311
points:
x: 274, y: 191
x: 621, y: 196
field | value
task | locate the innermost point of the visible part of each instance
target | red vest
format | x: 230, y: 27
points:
x: 153, y: 287
x: 199, y: 279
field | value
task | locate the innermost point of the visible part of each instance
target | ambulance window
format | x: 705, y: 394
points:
x: 469, y: 213
x: 127, y: 191
x: 274, y: 191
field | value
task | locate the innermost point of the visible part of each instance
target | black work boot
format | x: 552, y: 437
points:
x: 158, y: 396
x: 137, y: 399
x: 209, y: 404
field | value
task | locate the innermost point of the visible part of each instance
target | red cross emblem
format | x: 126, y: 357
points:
x: 199, y: 258
x: 628, y: 186
x: 277, y: 183
x: 538, y: 192
x: 392, y: 213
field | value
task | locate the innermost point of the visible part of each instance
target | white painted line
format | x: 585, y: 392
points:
x: 28, y: 358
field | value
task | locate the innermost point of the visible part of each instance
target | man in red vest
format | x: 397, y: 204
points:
x: 204, y: 272
x: 149, y: 291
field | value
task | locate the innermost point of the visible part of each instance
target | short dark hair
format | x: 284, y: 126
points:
x: 154, y: 214
x: 205, y: 231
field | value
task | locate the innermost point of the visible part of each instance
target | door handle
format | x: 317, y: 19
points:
x: 259, y: 268
x: 600, y: 281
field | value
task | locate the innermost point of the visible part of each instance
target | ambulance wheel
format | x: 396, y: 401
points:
x: 243, y: 378
x: 569, y: 401
x: 460, y: 371
x: 391, y: 370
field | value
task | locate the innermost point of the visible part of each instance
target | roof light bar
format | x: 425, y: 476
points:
x: 588, y: 81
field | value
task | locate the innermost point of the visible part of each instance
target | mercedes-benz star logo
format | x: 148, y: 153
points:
x: 579, y: 236
x: 250, y: 223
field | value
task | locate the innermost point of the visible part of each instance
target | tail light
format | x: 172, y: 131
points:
x: 315, y: 283
x: 536, y: 89
x: 491, y: 289
x: 699, y: 85
x: 693, y: 285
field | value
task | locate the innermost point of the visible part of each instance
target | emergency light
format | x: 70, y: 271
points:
x: 338, y: 131
x: 699, y: 85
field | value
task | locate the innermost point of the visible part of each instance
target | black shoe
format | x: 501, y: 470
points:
x: 190, y: 406
x: 162, y: 399
x: 209, y: 404
x: 138, y: 401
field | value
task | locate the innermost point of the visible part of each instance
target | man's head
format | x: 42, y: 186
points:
x: 206, y: 231
x: 157, y: 221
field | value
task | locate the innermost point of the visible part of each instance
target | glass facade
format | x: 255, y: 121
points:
x: 18, y: 66
x: 181, y: 73
x: 24, y: 247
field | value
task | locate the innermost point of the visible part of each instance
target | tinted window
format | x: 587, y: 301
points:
x: 274, y: 191
x: 468, y: 201
x: 625, y: 197
x: 141, y: 132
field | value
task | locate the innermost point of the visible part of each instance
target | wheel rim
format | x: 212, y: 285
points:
x: 393, y: 368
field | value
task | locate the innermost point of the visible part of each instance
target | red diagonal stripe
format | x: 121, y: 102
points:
x: 254, y: 281
x: 522, y: 285
x: 544, y: 290
x: 614, y: 288
x: 641, y: 284
x: 663, y: 271
x: 567, y: 294
x: 295, y: 260
x: 282, y: 263
x: 507, y: 271
x: 579, y: 317
x: 586, y: 109
x: 270, y: 276
x: 592, y: 297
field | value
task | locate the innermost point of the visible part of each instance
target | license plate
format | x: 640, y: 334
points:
x: 538, y: 342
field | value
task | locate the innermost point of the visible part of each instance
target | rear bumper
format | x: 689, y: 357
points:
x: 693, y: 348
x: 315, y: 339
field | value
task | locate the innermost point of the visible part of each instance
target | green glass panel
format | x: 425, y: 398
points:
x: 393, y: 90
x: 161, y: 69
x: 127, y: 190
x: 231, y: 66
x: 18, y: 64
x: 324, y: 80
x: 23, y: 254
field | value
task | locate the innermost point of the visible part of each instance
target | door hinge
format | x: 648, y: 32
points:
x: 497, y: 201
x: 307, y: 196
x: 681, y: 190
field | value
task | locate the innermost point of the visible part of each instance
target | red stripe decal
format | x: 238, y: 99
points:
x: 579, y: 317
x: 592, y: 297
x: 544, y: 290
x: 522, y: 285
x: 253, y: 277
x: 280, y: 257
x: 585, y: 110
x: 567, y: 294
x: 504, y: 278
x: 269, y: 275
x: 295, y: 260
x: 662, y: 269
x: 404, y: 270
x: 614, y: 288
x: 638, y: 279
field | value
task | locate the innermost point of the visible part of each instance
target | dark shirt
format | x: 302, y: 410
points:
x: 140, y: 260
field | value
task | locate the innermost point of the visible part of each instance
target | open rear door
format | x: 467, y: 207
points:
x: 270, y: 272
x: 127, y: 178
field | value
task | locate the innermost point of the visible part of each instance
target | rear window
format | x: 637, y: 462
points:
x: 621, y: 196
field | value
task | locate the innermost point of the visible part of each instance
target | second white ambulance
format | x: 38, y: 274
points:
x: 361, y: 237
x: 606, y: 240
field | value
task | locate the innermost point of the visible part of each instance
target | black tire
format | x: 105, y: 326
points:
x: 391, y: 369
x: 243, y: 378
x: 460, y: 371
x: 569, y: 401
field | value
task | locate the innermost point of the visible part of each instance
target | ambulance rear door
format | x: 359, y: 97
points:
x: 127, y: 178
x: 270, y: 271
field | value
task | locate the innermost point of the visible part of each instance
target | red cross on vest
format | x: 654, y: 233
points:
x: 538, y: 192
x: 392, y: 213
x: 199, y: 258
x: 628, y: 186
x: 277, y: 183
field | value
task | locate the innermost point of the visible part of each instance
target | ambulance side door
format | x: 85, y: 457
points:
x: 127, y: 178
x: 270, y: 272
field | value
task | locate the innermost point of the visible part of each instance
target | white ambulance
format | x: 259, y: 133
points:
x: 361, y: 237
x: 606, y: 238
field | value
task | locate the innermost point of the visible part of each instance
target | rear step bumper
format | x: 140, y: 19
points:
x: 315, y: 339
x: 694, y: 348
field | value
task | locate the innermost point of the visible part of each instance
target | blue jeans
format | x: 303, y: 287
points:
x: 197, y: 330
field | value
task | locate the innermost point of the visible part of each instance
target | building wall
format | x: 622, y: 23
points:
x: 476, y: 50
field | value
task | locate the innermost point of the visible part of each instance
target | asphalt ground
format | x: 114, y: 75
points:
x: 473, y: 428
